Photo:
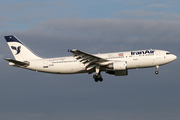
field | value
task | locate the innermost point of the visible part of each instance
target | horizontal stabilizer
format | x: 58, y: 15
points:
x: 18, y: 63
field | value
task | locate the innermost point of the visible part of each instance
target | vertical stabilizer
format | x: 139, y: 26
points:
x: 20, y: 51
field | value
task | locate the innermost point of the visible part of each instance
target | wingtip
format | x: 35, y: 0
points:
x: 72, y: 50
x: 69, y: 50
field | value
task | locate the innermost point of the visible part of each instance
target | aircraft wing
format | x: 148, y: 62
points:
x: 19, y: 63
x: 90, y: 60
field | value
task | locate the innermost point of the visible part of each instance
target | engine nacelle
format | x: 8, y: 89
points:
x: 119, y: 68
x: 118, y: 65
x: 118, y: 72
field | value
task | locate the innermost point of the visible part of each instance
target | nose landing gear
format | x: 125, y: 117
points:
x: 157, y: 72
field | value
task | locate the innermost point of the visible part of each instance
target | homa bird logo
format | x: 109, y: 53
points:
x: 18, y: 49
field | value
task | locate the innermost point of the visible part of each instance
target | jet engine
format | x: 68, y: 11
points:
x: 118, y: 68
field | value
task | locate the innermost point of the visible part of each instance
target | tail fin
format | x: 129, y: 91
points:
x: 20, y: 51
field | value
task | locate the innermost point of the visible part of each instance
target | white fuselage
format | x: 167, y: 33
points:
x: 134, y: 59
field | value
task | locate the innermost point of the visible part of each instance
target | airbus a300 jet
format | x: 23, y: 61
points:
x: 116, y: 63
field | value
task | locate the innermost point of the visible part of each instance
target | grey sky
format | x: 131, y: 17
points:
x: 142, y: 95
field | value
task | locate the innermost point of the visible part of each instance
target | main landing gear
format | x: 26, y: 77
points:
x: 97, y: 77
x: 157, y: 72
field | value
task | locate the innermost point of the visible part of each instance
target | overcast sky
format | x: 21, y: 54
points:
x: 51, y: 28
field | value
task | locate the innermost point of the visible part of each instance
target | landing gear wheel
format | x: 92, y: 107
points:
x: 94, y: 76
x: 101, y: 79
x: 96, y: 80
x: 156, y: 72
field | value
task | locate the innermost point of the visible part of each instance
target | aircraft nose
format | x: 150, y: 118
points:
x: 174, y: 57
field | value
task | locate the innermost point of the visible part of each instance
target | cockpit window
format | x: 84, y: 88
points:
x: 168, y: 53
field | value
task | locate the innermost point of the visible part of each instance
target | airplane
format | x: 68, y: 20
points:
x: 116, y: 63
